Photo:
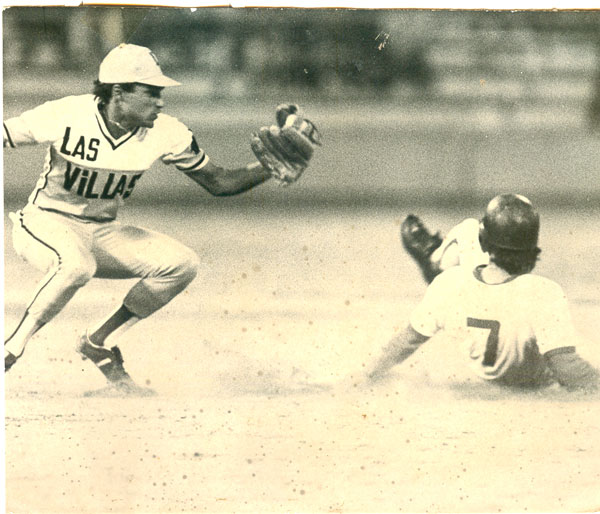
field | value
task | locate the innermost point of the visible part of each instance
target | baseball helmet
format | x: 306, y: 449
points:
x: 510, y: 222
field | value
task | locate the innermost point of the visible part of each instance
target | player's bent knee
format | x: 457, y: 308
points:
x: 188, y: 267
x: 78, y: 275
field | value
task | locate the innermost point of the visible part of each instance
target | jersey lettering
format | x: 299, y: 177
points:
x: 83, y: 182
x: 491, y: 345
x: 87, y: 183
x: 93, y: 147
x: 130, y: 186
x: 120, y: 188
x: 90, y: 188
x: 80, y: 150
x: 70, y: 176
x: 63, y: 147
x: 105, y: 192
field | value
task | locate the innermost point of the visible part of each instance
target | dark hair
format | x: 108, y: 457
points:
x: 104, y: 91
x: 515, y: 262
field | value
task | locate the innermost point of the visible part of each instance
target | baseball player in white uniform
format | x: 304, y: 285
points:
x: 513, y: 328
x: 100, y: 145
x: 434, y: 254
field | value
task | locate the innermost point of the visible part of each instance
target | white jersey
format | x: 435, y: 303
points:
x: 87, y: 172
x: 498, y: 326
x: 461, y: 246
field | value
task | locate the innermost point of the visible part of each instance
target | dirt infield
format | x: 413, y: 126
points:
x: 246, y: 363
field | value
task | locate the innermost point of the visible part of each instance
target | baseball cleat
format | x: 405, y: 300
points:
x: 9, y: 360
x: 420, y: 244
x: 108, y: 361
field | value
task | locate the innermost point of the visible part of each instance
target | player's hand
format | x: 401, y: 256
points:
x: 286, y: 149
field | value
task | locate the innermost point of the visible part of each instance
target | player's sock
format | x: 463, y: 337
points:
x: 109, y: 329
x: 15, y: 344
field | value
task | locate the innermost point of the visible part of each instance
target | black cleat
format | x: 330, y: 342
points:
x: 9, y: 360
x: 420, y: 244
x: 108, y: 361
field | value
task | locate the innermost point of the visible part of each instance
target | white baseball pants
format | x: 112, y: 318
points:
x: 72, y: 251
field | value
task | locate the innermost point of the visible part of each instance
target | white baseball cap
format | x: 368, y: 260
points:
x: 133, y: 63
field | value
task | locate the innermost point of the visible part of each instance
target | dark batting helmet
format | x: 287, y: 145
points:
x: 510, y: 222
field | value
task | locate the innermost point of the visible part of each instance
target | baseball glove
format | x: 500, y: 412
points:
x: 285, y: 149
x: 420, y: 244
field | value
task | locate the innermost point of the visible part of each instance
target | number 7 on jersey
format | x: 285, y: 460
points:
x: 491, y: 346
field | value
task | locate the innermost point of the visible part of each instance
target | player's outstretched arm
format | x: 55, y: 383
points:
x: 220, y: 181
x: 572, y: 371
x: 283, y: 151
x: 400, y: 347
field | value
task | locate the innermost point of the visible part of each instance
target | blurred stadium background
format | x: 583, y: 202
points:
x: 416, y: 106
